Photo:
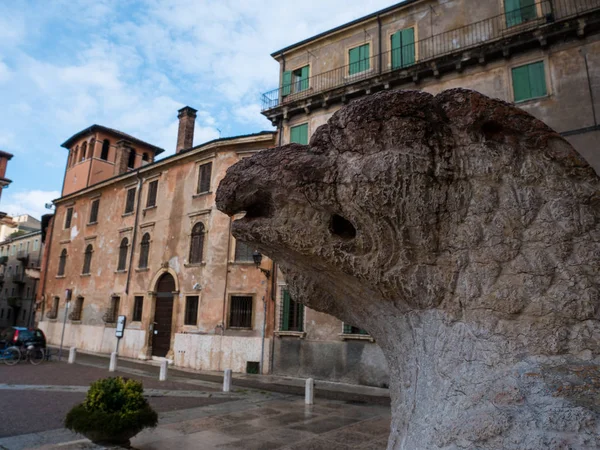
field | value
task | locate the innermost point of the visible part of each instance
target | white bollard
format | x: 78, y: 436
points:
x: 227, y: 380
x: 113, y: 362
x: 309, y: 393
x: 72, y: 354
x: 163, y: 371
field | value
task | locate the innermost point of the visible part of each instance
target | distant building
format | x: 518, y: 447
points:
x: 4, y: 182
x: 18, y: 224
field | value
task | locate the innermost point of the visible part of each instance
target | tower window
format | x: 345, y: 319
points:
x: 105, y: 147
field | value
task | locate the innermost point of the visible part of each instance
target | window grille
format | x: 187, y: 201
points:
x: 111, y: 314
x: 94, y: 211
x: 152, y: 191
x: 204, y: 175
x: 77, y: 309
x: 138, y: 307
x: 292, y: 314
x: 191, y: 310
x: 351, y: 329
x: 123, y: 254
x: 240, y: 312
x: 62, y: 262
x: 87, y: 259
x: 197, y: 243
x: 129, y: 203
x: 243, y: 252
x: 53, y: 313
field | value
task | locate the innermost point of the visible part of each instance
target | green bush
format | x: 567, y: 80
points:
x: 114, y: 410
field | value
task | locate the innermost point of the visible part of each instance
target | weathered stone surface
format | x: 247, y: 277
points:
x: 464, y: 235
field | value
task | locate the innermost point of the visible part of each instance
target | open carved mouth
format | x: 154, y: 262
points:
x: 258, y: 205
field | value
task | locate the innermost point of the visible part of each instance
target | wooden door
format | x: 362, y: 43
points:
x: 163, y: 316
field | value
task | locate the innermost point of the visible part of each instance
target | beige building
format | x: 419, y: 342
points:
x: 542, y: 55
x: 143, y: 239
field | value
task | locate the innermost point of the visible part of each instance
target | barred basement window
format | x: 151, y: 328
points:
x: 152, y: 191
x: 351, y: 329
x: 292, y: 314
x: 240, y: 312
x: 113, y: 310
x: 191, y: 310
x: 144, y: 251
x: 197, y: 243
x: 94, y: 211
x: 243, y: 252
x: 53, y: 313
x: 87, y: 259
x: 204, y: 174
x: 62, y: 262
x: 77, y: 309
x: 123, y: 254
x: 129, y: 203
x: 68, y: 218
x: 138, y: 307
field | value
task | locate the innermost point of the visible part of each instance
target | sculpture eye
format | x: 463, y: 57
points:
x: 343, y: 228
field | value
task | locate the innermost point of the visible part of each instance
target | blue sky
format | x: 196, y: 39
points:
x: 126, y: 64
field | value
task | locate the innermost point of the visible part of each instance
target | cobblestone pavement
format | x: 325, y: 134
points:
x: 192, y: 414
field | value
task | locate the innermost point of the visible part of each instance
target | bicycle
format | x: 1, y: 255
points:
x: 12, y: 355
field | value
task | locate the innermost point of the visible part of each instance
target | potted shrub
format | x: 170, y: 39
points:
x: 113, y: 412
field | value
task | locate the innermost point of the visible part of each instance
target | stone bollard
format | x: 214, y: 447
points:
x: 227, y: 380
x: 309, y: 393
x: 72, y: 354
x: 113, y: 362
x: 163, y: 371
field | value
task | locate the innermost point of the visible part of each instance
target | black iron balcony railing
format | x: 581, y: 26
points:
x: 22, y: 255
x: 465, y: 38
x: 18, y: 277
x: 3, y: 260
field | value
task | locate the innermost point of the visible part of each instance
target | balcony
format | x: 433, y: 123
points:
x: 18, y: 278
x: 23, y: 255
x: 3, y: 260
x: 453, y: 50
x: 34, y: 264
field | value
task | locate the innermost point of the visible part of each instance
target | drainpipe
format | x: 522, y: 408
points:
x: 225, y: 292
x: 135, y: 229
x: 587, y: 71
x: 379, y: 43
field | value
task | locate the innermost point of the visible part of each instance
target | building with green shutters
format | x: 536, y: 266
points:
x: 543, y: 55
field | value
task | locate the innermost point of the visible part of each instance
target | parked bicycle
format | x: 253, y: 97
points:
x: 12, y: 355
x: 20, y: 343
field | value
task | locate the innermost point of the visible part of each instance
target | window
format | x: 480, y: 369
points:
x: 144, y: 251
x: 519, y: 11
x: 62, y: 262
x: 36, y: 245
x: 129, y: 202
x: 94, y: 211
x: 145, y: 157
x: 197, y: 243
x: 152, y: 190
x: 350, y: 329
x: 191, y: 310
x: 105, y: 147
x: 138, y: 307
x: 87, y: 259
x: 111, y: 314
x: 295, y: 80
x: 123, y: 254
x: 53, y: 313
x: 8, y: 313
x: 75, y: 314
x: 13, y: 249
x: 292, y: 314
x: 299, y: 134
x: 83, y: 150
x: 529, y: 81
x: 359, y: 59
x: 243, y: 252
x: 131, y: 159
x: 403, y: 48
x: 204, y: 173
x: 68, y: 218
x: 24, y: 314
x: 240, y: 313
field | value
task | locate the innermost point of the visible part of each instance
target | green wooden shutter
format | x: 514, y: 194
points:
x: 528, y: 11
x: 408, y: 47
x: 365, y: 62
x: 354, y: 56
x: 520, y: 79
x: 396, y: 50
x: 512, y: 8
x: 286, y: 84
x: 537, y: 79
x: 299, y: 134
x: 285, y: 319
x: 304, y: 74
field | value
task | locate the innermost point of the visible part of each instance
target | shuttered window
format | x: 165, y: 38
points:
x: 62, y: 263
x: 68, y: 218
x: 350, y: 329
x: 197, y: 244
x: 94, y: 211
x: 519, y: 11
x: 191, y: 310
x: 403, y: 48
x: 144, y: 251
x: 123, y: 254
x: 359, y: 59
x: 204, y: 174
x: 529, y: 81
x: 138, y: 307
x: 129, y: 202
x: 87, y: 259
x: 299, y: 134
x: 152, y: 191
x: 286, y: 83
x: 243, y: 252
x: 292, y: 314
x: 300, y: 79
x: 240, y: 312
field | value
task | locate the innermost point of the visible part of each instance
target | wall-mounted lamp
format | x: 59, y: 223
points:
x: 257, y: 257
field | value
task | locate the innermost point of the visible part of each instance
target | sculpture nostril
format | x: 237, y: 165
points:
x: 343, y: 228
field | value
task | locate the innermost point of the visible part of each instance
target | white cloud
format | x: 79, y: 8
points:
x: 27, y: 202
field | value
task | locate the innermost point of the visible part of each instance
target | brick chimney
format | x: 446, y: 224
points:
x: 185, y: 135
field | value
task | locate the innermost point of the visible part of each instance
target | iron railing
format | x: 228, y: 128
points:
x: 458, y: 40
x: 3, y: 260
x: 23, y: 255
x: 18, y: 277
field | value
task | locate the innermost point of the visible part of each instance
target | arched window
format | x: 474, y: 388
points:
x: 197, y: 244
x: 91, y: 148
x: 83, y: 150
x: 144, y: 251
x: 87, y: 259
x: 62, y: 263
x: 123, y: 254
x: 131, y: 159
x: 145, y: 157
x: 77, y: 155
x: 105, y: 147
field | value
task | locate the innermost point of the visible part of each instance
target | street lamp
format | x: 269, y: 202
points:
x: 257, y: 257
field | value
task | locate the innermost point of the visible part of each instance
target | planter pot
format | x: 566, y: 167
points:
x: 100, y: 437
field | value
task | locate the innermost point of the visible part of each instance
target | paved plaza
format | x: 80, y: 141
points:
x: 193, y: 413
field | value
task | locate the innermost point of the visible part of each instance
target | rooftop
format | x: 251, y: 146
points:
x: 69, y: 142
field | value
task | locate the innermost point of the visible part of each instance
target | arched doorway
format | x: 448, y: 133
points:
x: 163, y: 315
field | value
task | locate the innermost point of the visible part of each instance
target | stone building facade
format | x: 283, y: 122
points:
x: 542, y: 55
x: 148, y: 243
x: 20, y: 258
